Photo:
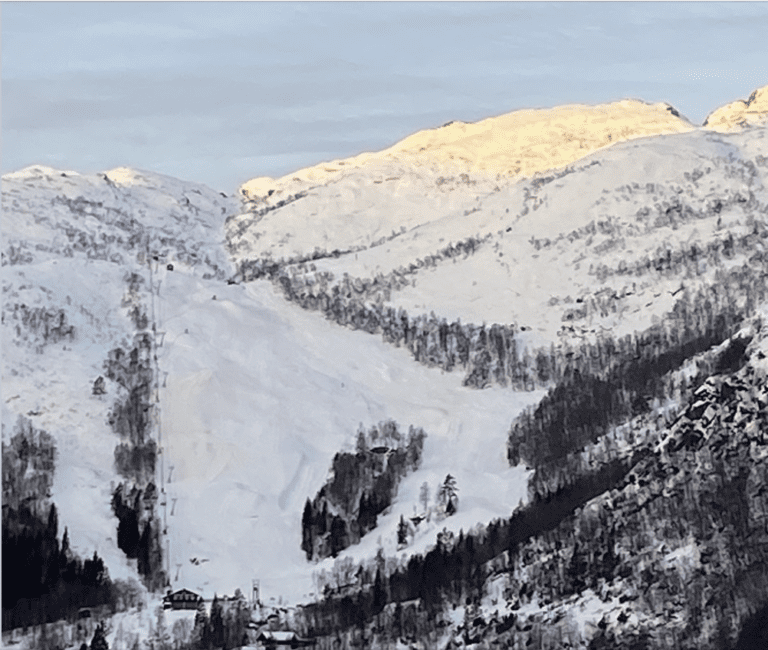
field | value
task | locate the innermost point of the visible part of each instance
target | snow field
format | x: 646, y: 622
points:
x: 261, y: 395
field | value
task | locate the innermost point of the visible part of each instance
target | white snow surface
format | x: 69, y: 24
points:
x: 257, y: 395
x: 258, y: 398
x: 536, y: 259
x: 261, y: 395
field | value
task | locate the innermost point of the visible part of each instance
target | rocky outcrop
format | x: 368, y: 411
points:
x: 740, y: 114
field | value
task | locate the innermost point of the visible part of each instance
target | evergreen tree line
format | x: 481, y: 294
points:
x: 225, y: 628
x: 47, y: 325
x: 407, y: 622
x: 455, y: 568
x: 42, y: 579
x: 487, y: 354
x: 29, y: 461
x: 589, y: 399
x: 136, y: 453
x: 134, y: 500
x: 362, y: 485
x: 702, y: 485
x: 138, y: 531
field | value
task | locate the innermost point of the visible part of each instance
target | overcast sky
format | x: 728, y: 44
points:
x: 222, y: 92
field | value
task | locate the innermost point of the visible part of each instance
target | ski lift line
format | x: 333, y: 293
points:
x: 155, y: 292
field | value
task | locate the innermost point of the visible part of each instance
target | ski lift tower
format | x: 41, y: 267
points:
x: 255, y: 596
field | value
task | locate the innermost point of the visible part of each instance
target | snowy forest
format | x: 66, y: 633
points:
x: 362, y: 486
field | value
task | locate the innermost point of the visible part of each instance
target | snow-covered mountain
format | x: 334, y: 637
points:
x: 359, y: 201
x: 445, y: 283
x: 255, y: 396
x: 740, y: 114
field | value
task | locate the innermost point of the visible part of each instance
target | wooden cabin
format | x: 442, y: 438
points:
x: 182, y: 599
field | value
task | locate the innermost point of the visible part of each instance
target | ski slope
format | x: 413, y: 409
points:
x: 257, y: 395
x: 260, y: 395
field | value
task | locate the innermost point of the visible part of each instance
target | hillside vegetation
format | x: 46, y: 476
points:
x: 500, y: 385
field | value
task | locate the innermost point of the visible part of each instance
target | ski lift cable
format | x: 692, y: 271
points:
x: 154, y: 290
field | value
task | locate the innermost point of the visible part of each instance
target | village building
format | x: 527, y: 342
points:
x: 182, y: 599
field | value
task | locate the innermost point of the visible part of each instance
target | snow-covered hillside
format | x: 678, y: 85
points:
x: 567, y: 253
x: 511, y: 145
x: 354, y: 203
x: 259, y: 398
x: 69, y: 241
x: 256, y: 397
x: 524, y: 232
x: 113, y: 216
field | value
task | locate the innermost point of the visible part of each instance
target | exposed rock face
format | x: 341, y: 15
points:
x: 740, y: 114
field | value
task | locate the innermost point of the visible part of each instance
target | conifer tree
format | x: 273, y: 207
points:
x: 307, y: 525
x: 201, y: 634
x: 379, y: 592
x: 402, y: 532
x: 99, y: 640
x: 217, y: 623
x: 424, y: 496
x: 447, y: 495
x: 338, y: 535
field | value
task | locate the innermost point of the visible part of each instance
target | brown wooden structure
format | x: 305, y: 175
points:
x: 182, y: 599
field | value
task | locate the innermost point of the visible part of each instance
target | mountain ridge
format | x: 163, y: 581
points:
x: 235, y: 334
x: 741, y: 113
x: 621, y: 120
x: 511, y: 145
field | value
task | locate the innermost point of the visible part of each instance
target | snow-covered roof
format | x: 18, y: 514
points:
x: 277, y: 635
